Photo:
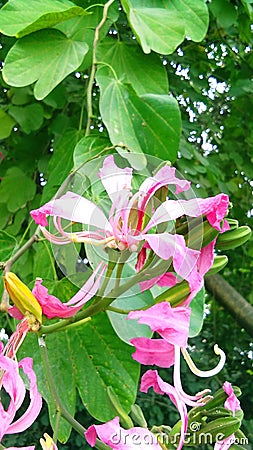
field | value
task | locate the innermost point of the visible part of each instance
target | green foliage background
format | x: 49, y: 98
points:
x: 206, y: 67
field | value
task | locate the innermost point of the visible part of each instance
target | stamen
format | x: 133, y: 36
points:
x: 205, y: 373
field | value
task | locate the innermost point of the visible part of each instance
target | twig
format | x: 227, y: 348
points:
x: 93, y: 67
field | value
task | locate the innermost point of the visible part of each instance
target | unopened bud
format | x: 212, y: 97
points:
x: 22, y: 297
x: 234, y: 238
x: 175, y: 295
x: 220, y: 261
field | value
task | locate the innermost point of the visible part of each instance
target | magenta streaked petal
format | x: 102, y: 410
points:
x: 153, y: 351
x: 164, y: 177
x: 35, y: 405
x: 171, y: 323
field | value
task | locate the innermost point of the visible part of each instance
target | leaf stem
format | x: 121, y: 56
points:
x: 59, y: 407
x: 93, y: 67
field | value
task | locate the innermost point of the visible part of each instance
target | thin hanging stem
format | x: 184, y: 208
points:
x: 93, y: 67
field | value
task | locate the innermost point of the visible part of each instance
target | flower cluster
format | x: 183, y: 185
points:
x: 154, y: 227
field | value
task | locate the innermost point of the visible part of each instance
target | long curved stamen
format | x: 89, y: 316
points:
x: 191, y: 400
x: 205, y: 373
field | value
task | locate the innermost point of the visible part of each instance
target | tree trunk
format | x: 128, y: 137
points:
x: 233, y: 302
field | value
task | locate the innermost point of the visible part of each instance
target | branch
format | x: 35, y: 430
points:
x: 233, y: 302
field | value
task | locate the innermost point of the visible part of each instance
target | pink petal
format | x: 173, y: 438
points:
x: 53, y: 307
x: 206, y: 258
x: 14, y: 312
x: 89, y: 289
x: 171, y: 323
x: 40, y: 215
x: 232, y: 403
x: 35, y: 405
x: 168, y: 246
x: 14, y: 386
x: 114, y: 178
x: 164, y: 177
x: 153, y: 351
x: 152, y: 379
x: 167, y: 279
x: 72, y: 207
x: 120, y: 439
x: 215, y: 209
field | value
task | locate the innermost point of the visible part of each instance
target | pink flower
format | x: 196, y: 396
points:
x: 53, y: 307
x: 13, y: 384
x: 118, y: 438
x: 128, y: 225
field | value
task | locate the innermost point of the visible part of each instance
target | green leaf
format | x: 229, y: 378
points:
x: 43, y: 263
x: 7, y: 245
x: 30, y: 117
x: 144, y: 72
x: 60, y: 163
x: 83, y: 28
x: 224, y: 11
x: 101, y: 360
x: 89, y: 358
x: 60, y: 360
x: 162, y: 26
x: 19, y: 17
x: 128, y: 329
x: 89, y: 147
x: 144, y: 123
x: 16, y: 199
x: 197, y: 313
x: 7, y: 123
x: 45, y: 57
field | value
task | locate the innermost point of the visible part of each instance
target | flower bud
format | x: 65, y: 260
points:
x: 175, y: 295
x: 233, y: 238
x: 22, y: 297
